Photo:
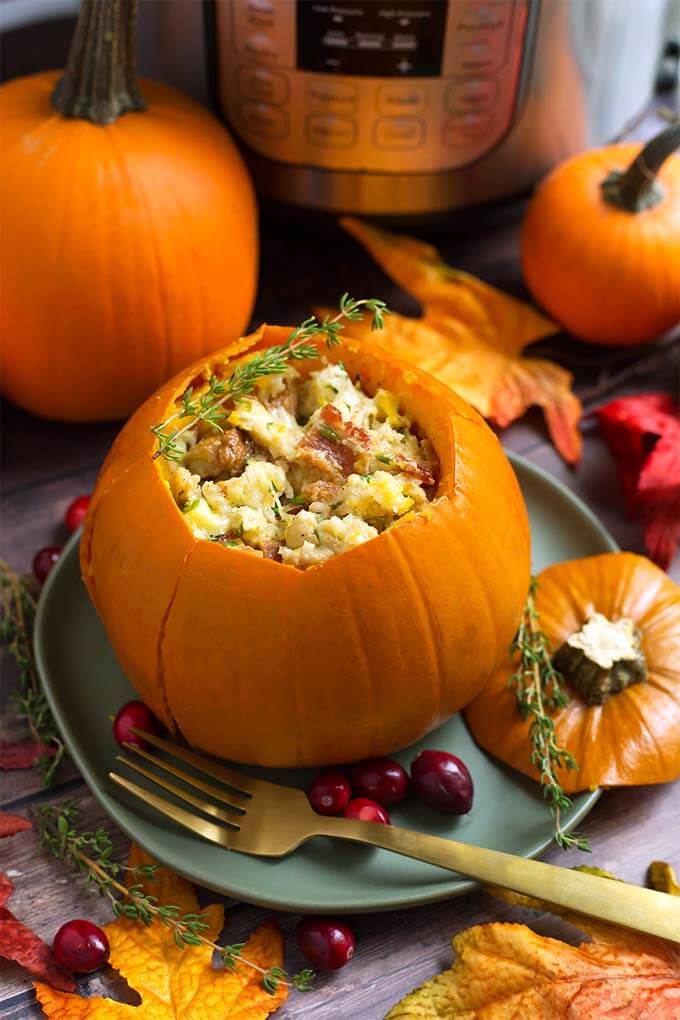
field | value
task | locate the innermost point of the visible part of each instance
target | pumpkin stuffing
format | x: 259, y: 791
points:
x: 316, y: 568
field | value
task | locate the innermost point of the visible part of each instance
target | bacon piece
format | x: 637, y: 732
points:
x: 332, y: 445
x: 423, y: 472
x: 270, y: 551
x: 220, y: 455
x: 319, y: 492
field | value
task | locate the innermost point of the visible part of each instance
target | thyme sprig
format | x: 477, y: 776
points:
x: 17, y: 615
x: 539, y: 691
x: 209, y: 406
x: 91, y: 854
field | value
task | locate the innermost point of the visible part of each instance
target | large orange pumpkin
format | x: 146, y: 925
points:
x: 634, y: 736
x: 601, y: 242
x: 128, y: 248
x: 260, y: 662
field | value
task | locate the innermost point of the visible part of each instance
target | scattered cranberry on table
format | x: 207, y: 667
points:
x: 81, y: 947
x: 326, y: 943
x: 365, y: 810
x: 134, y: 713
x: 330, y: 792
x: 380, y: 779
x: 75, y: 514
x: 443, y: 782
x: 44, y: 560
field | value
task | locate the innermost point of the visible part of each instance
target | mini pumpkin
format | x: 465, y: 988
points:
x: 129, y: 244
x: 601, y: 242
x: 613, y: 622
x: 263, y: 663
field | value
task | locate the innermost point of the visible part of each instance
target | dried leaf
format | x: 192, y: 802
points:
x: 11, y: 824
x: 22, y: 754
x: 471, y: 336
x: 20, y: 944
x: 173, y: 983
x: 661, y: 877
x: 643, y: 433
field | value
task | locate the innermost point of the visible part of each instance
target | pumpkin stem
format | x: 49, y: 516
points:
x: 637, y: 188
x: 100, y: 81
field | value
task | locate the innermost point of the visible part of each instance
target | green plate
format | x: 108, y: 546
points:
x: 85, y: 686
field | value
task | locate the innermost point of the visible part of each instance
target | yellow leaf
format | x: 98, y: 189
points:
x: 471, y: 336
x: 508, y: 972
x: 662, y: 877
x: 174, y: 983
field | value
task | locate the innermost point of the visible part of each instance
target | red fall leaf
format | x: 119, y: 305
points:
x: 22, y: 754
x: 643, y: 433
x: 11, y: 824
x: 20, y: 944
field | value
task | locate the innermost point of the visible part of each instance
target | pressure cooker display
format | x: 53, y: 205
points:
x: 371, y: 38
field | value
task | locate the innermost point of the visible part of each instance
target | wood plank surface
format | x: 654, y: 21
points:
x: 45, y: 465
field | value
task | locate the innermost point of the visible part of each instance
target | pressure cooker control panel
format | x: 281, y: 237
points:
x: 371, y: 85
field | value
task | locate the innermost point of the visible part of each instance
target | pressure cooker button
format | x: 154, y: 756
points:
x: 259, y: 83
x: 333, y: 96
x: 398, y: 133
x: 264, y: 120
x: 400, y: 100
x: 260, y: 45
x: 474, y: 94
x: 465, y: 129
x: 331, y: 132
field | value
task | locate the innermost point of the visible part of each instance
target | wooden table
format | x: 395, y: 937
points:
x: 46, y: 465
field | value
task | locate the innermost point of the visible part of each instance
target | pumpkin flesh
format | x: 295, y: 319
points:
x: 264, y: 663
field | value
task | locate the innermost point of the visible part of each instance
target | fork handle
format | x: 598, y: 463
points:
x: 644, y: 910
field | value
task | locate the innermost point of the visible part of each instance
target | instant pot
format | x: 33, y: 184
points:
x: 402, y: 107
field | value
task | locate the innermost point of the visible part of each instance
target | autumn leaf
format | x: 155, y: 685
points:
x: 11, y: 824
x: 19, y: 944
x: 22, y: 754
x: 507, y: 971
x: 174, y: 983
x: 471, y: 337
x: 643, y: 433
x: 661, y: 877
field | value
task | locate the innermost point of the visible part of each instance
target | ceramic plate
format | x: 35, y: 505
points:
x: 85, y: 686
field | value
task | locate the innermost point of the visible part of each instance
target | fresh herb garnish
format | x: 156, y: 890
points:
x: 90, y: 854
x: 209, y: 406
x: 17, y: 614
x: 327, y: 432
x: 384, y: 459
x: 539, y: 691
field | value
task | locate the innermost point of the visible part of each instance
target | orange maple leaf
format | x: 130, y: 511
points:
x: 507, y: 971
x: 471, y: 336
x: 174, y: 983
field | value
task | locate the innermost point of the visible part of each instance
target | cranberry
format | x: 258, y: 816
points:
x: 134, y: 713
x: 330, y: 792
x: 443, y: 782
x: 381, y: 779
x: 80, y: 946
x: 327, y: 944
x: 75, y: 514
x: 366, y: 810
x: 44, y: 560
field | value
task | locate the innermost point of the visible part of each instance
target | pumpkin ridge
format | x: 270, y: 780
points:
x: 367, y: 676
x: 160, y: 664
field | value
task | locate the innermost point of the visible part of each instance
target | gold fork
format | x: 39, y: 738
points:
x: 263, y: 818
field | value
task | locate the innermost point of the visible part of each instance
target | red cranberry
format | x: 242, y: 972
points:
x: 80, y: 946
x: 75, y: 515
x: 134, y: 713
x: 366, y: 810
x: 327, y: 944
x: 330, y: 792
x: 44, y: 560
x: 443, y: 782
x: 381, y: 779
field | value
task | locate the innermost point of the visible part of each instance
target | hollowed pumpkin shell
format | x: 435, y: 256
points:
x: 263, y: 663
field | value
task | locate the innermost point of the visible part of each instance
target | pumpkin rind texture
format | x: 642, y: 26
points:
x: 634, y: 737
x: 128, y: 250
x: 263, y: 663
x: 610, y: 276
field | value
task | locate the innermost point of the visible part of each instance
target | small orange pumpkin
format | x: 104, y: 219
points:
x: 260, y: 662
x: 601, y: 243
x: 128, y: 246
x: 634, y: 736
